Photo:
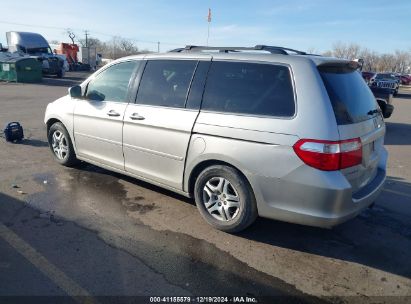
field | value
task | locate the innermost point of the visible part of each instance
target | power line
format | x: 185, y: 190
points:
x: 91, y: 31
x: 35, y: 25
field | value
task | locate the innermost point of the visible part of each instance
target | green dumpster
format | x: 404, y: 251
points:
x: 21, y: 69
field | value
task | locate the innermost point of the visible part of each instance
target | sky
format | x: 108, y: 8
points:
x: 314, y: 25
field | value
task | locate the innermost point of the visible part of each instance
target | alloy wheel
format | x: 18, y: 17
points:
x: 221, y: 199
x: 59, y: 145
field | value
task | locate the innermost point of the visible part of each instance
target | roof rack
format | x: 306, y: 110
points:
x: 225, y: 49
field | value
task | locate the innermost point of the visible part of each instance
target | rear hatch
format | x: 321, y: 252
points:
x: 358, y: 116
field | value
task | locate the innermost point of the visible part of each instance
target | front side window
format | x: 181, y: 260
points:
x: 249, y: 88
x: 112, y: 83
x: 166, y: 83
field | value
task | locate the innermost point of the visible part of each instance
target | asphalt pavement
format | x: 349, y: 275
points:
x: 89, y: 235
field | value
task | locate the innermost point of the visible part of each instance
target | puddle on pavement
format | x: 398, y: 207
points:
x: 94, y: 199
x: 88, y: 187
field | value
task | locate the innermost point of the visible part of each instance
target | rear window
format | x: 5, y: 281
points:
x: 249, y: 88
x: 350, y: 96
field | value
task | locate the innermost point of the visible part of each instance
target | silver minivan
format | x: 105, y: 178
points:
x: 261, y: 131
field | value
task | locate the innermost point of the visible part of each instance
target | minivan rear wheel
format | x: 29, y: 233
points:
x: 61, y: 145
x: 225, y: 199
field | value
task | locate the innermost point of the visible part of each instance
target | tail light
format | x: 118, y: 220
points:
x: 329, y: 155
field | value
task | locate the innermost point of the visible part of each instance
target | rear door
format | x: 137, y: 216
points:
x: 157, y: 128
x: 358, y: 116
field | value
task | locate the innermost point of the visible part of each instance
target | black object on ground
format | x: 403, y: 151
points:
x: 13, y: 132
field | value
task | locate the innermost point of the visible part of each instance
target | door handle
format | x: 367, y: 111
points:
x: 113, y: 113
x: 135, y: 116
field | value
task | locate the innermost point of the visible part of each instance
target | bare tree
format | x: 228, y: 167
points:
x: 71, y: 35
x: 127, y: 46
x: 386, y: 63
x: 92, y: 42
x: 371, y: 59
x: 312, y: 50
x: 402, y: 61
x: 327, y: 53
x: 118, y: 47
x: 399, y: 61
x: 345, y: 50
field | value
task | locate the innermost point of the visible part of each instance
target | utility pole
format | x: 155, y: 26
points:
x: 158, y: 47
x: 114, y: 48
x: 86, y: 33
x: 209, y: 21
x: 88, y: 49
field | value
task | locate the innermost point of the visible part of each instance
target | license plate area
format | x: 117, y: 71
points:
x: 372, y: 147
x: 370, y: 153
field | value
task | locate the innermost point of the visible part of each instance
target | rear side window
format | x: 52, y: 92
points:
x: 249, y: 88
x: 112, y: 83
x: 166, y: 82
x: 350, y: 96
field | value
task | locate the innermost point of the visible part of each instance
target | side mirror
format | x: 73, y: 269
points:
x: 388, y: 111
x: 75, y: 92
x: 386, y: 108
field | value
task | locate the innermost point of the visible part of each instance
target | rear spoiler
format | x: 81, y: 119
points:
x: 340, y: 66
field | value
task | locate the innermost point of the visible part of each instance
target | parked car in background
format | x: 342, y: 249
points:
x: 229, y: 129
x: 367, y: 76
x: 385, y: 80
x: 381, y: 94
x: 398, y: 77
x: 405, y: 79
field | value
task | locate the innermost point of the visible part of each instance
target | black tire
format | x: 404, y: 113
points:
x: 68, y: 158
x: 247, y: 211
x: 60, y: 74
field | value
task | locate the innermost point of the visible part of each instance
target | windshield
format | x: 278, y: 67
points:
x: 350, y: 96
x: 385, y: 76
x: 42, y: 50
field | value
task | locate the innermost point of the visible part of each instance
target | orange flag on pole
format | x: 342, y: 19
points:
x: 209, y: 15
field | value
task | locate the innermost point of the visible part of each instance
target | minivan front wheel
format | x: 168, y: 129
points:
x: 61, y: 145
x: 225, y: 199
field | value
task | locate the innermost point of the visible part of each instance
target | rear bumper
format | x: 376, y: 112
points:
x: 322, y: 199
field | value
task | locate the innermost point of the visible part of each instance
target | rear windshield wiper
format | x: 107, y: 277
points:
x: 372, y: 112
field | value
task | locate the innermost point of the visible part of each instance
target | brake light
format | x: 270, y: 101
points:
x: 329, y: 155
